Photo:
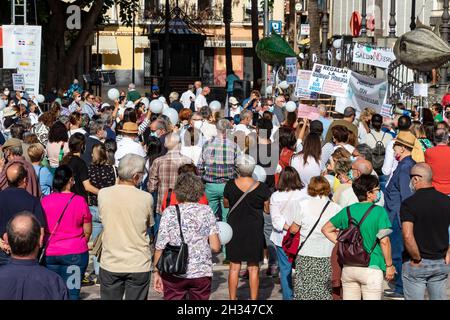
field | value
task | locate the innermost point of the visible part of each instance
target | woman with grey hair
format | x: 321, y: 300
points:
x: 248, y: 200
x: 200, y: 232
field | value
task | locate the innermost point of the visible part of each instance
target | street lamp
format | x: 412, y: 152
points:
x: 324, y: 32
x: 364, y: 19
x: 392, y: 22
x: 133, y: 70
x: 445, y: 31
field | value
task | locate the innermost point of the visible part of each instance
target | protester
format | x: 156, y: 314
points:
x: 57, y: 146
x: 188, y: 97
x: 397, y: 191
x: 23, y: 278
x: 307, y: 163
x: 247, y: 223
x: 245, y: 123
x: 133, y: 94
x: 200, y: 100
x: 200, y: 232
x: 126, y: 213
x: 284, y: 204
x: 69, y: 227
x: 36, y: 152
x: 438, y: 159
x: 190, y: 146
x: 235, y: 108
x: 425, y: 258
x: 313, y: 265
x: 97, y: 134
x: 128, y: 144
x: 347, y: 122
x: 365, y: 281
x: 76, y: 124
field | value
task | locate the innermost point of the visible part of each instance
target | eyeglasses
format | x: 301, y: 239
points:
x: 270, y: 104
x: 376, y: 190
x: 414, y: 175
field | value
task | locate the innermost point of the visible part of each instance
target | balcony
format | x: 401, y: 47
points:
x: 210, y: 15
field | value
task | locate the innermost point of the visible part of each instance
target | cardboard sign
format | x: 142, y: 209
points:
x: 18, y: 82
x: 421, y: 90
x: 363, y: 92
x: 301, y: 86
x: 373, y: 56
x: 291, y: 68
x: 329, y: 80
x: 304, y: 30
x: 308, y: 112
x: 386, y: 111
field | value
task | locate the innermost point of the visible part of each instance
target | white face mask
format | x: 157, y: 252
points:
x: 21, y: 94
x: 198, y: 124
x: 6, y: 93
x: 78, y: 99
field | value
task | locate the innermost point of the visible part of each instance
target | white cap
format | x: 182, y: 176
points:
x: 233, y: 100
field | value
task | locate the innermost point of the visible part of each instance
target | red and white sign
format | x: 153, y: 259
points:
x: 308, y: 112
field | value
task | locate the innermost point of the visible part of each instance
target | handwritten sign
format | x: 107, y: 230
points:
x: 373, y: 56
x: 329, y: 80
x: 18, y: 82
x: 308, y: 112
x: 291, y: 68
x: 301, y: 86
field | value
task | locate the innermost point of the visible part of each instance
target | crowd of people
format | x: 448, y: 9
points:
x: 134, y: 183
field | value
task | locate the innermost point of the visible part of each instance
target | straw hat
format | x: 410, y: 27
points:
x: 130, y: 127
x: 9, y: 111
x: 12, y: 142
x: 406, y: 138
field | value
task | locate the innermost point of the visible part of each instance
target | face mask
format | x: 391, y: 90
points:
x: 352, y: 159
x: 198, y: 124
x: 411, y: 186
x: 378, y: 197
x: 234, y: 106
x: 397, y: 157
x: 154, y: 134
x: 350, y: 175
x: 271, y: 108
x: 78, y: 99
x: 21, y: 94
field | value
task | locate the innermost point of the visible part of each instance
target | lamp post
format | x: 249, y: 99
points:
x: 444, y: 33
x: 324, y: 31
x: 266, y: 33
x: 392, y: 22
x: 364, y: 19
x: 412, y: 26
x: 133, y: 69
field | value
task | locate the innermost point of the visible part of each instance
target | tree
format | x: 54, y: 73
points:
x: 62, y: 47
x: 314, y: 24
x: 227, y: 18
x: 255, y: 38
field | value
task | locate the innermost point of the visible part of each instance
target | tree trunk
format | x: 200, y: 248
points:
x: 227, y: 18
x: 257, y: 72
x: 61, y: 62
x: 314, y: 36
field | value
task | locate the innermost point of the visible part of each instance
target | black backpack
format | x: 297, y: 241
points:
x: 378, y: 154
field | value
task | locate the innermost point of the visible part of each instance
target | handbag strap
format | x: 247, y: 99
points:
x: 179, y: 222
x: 242, y: 198
x: 314, y: 227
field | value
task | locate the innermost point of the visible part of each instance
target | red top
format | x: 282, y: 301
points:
x: 285, y: 159
x: 446, y: 100
x: 173, y: 200
x: 438, y: 159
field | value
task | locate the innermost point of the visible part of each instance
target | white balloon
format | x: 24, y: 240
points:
x: 259, y: 174
x: 156, y: 106
x: 291, y: 106
x: 337, y: 43
x: 269, y: 90
x: 215, y: 106
x: 225, y: 232
x: 129, y: 104
x: 338, y: 55
x: 283, y: 85
x: 113, y: 94
x: 40, y: 98
x: 165, y: 107
x: 172, y: 114
x: 146, y: 102
x: 162, y: 99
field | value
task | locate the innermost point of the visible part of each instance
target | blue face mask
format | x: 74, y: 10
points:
x: 352, y: 159
x: 153, y: 134
x: 271, y: 108
x: 350, y: 175
x: 378, y: 197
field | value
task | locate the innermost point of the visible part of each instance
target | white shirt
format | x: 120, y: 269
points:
x: 390, y: 164
x: 192, y: 152
x: 317, y: 245
x: 200, y: 102
x: 362, y: 133
x: 308, y: 170
x: 186, y: 98
x: 346, y: 146
x: 198, y: 91
x: 374, y: 136
x: 243, y: 128
x: 80, y: 130
x: 283, y: 206
x: 127, y: 145
x: 33, y: 118
x: 235, y: 111
x: 348, y: 197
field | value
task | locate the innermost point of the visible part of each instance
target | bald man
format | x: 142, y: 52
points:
x: 23, y: 278
x: 15, y: 199
x: 426, y: 258
x: 359, y: 167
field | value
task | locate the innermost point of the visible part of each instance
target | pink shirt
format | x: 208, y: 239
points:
x: 69, y: 236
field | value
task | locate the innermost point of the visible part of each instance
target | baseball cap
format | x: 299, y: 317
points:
x: 316, y: 126
x: 154, y: 88
x: 349, y: 111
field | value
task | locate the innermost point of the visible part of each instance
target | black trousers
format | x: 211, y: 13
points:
x: 113, y: 285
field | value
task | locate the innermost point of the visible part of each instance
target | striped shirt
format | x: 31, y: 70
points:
x: 217, y: 163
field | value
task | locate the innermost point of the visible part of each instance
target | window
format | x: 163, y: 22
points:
x: 203, y: 4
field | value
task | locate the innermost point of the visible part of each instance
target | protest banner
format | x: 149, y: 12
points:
x: 308, y: 112
x: 421, y: 90
x: 301, y: 86
x: 329, y: 80
x: 22, y: 50
x: 363, y: 92
x: 386, y: 111
x: 291, y: 68
x: 373, y: 56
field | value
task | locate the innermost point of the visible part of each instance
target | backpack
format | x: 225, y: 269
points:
x: 378, y: 154
x: 351, y: 251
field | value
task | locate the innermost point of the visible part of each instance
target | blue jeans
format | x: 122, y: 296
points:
x: 97, y: 227
x: 431, y: 275
x: 285, y: 268
x: 71, y: 268
x: 397, y: 250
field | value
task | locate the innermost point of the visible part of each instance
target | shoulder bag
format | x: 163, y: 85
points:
x: 309, y: 234
x: 242, y: 198
x: 174, y: 259
x: 44, y: 249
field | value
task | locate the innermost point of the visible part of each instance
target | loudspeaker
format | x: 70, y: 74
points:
x: 397, y: 110
x: 241, y: 89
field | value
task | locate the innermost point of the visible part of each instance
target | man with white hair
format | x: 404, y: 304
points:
x: 245, y: 123
x: 126, y: 214
x: 200, y: 101
x: 197, y: 88
x: 164, y: 171
x: 188, y: 97
x: 324, y: 119
x: 279, y: 109
x: 174, y: 103
x: 133, y: 94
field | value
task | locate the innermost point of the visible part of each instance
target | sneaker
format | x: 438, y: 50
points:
x: 394, y: 296
x: 87, y: 281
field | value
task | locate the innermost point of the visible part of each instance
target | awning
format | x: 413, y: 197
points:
x: 108, y: 45
x: 141, y: 42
